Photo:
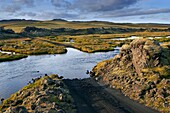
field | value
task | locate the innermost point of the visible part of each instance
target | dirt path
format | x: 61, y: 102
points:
x: 90, y: 97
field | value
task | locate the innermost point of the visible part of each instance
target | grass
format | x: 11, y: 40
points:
x: 123, y: 35
x: 87, y: 43
x: 84, y: 43
x: 26, y: 46
x: 17, y: 26
x: 163, y: 39
x: 47, y: 45
x: 34, y: 93
x: 37, y: 46
x: 15, y: 96
x: 7, y: 57
x: 140, y: 34
x: 35, y: 84
x: 31, y: 47
x: 163, y: 71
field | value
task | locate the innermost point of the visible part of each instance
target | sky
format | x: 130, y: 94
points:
x: 123, y: 11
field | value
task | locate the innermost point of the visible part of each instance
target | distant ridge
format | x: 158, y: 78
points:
x: 60, y: 20
x: 115, y: 23
x: 13, y: 20
x: 91, y: 21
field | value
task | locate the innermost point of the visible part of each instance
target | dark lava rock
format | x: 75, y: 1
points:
x: 141, y: 71
x: 44, y: 95
x: 18, y: 109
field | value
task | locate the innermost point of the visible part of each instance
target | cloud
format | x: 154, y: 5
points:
x: 28, y: 3
x: 29, y: 14
x: 103, y: 5
x: 55, y: 15
x: 84, y: 9
x: 137, y: 12
x: 60, y: 3
x: 16, y: 5
x: 10, y: 8
x: 93, y: 5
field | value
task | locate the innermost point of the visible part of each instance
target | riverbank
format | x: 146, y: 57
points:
x: 43, y: 94
x: 8, y: 57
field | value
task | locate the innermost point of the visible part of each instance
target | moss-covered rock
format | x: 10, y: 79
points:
x: 141, y: 71
x: 47, y: 94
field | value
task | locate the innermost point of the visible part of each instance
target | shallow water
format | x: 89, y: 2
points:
x: 136, y: 37
x: 7, y: 52
x: 128, y: 38
x: 16, y: 74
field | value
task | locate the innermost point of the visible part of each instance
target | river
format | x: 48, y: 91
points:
x: 136, y: 37
x: 16, y: 74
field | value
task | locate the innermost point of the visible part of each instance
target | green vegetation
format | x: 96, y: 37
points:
x: 32, y: 28
x: 31, y: 47
x: 8, y: 33
x: 26, y: 46
x: 137, y: 66
x: 7, y: 57
x: 141, y: 71
x: 41, y: 96
x: 57, y: 34
x: 55, y: 45
x: 86, y: 43
x: 35, y: 32
x: 18, y: 25
x: 14, y: 96
x: 163, y: 39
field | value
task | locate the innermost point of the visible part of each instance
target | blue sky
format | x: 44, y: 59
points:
x: 135, y: 11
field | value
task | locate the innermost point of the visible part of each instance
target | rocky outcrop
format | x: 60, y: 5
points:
x: 141, y: 71
x: 45, y: 95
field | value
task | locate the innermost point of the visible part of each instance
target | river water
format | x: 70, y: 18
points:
x: 136, y: 37
x: 16, y: 74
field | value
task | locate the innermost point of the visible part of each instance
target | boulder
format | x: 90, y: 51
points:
x: 47, y: 94
x: 141, y: 70
x: 18, y: 109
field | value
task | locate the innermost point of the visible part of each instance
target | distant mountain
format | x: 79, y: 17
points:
x: 14, y: 20
x: 60, y: 20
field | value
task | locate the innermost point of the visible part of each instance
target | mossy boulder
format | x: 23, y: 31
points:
x: 46, y: 94
x: 142, y: 71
